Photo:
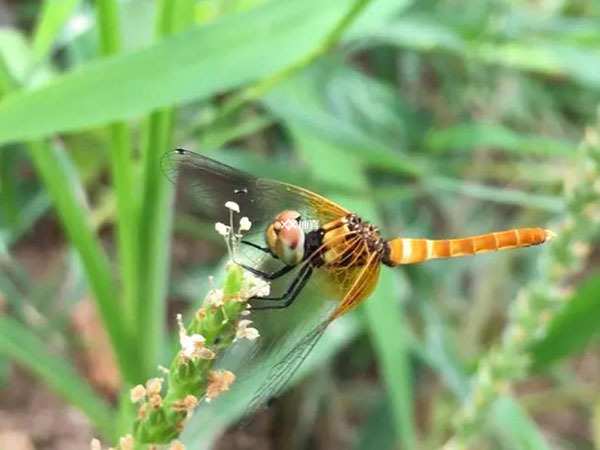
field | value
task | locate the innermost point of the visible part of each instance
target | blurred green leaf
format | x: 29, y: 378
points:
x: 496, y: 194
x: 527, y: 53
x: 418, y: 32
x: 466, y: 137
x: 20, y: 344
x: 189, y: 66
x: 572, y: 328
x: 378, y: 431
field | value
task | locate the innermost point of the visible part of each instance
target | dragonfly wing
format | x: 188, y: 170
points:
x: 284, y: 369
x: 351, y: 286
x: 357, y: 286
x: 204, y: 185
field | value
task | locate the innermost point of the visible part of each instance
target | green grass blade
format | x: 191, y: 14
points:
x: 59, y: 178
x: 155, y: 218
x: 53, y: 16
x: 121, y: 157
x: 154, y: 230
x: 26, y: 348
x: 189, y: 66
x: 573, y: 327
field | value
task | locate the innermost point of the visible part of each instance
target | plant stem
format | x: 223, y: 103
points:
x: 155, y: 217
x: 121, y: 157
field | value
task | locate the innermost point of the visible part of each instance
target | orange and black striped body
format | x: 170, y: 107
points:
x: 350, y: 242
x: 413, y: 251
x: 345, y: 242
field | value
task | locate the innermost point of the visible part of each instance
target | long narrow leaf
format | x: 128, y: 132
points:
x: 189, y: 66
x: 574, y: 326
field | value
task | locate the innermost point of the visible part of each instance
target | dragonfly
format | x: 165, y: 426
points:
x: 304, y: 234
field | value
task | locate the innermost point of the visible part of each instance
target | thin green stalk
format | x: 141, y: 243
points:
x: 50, y: 164
x: 121, y: 157
x: 53, y: 169
x: 155, y: 219
x: 154, y: 241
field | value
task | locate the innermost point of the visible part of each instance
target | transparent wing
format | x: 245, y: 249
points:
x: 204, y: 185
x: 353, y: 284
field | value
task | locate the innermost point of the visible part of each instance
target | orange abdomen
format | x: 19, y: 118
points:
x: 412, y: 251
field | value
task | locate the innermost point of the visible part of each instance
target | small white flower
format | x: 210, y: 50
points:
x: 245, y: 224
x: 233, y: 206
x: 191, y: 344
x: 205, y: 353
x: 137, y: 393
x: 222, y: 229
x: 244, y: 331
x: 215, y: 298
x: 254, y: 286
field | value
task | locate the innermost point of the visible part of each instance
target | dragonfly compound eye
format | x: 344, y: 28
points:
x: 285, y: 238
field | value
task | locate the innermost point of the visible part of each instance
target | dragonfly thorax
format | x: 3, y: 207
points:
x: 285, y: 238
x: 368, y: 232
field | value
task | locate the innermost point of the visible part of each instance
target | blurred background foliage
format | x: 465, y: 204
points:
x: 431, y: 118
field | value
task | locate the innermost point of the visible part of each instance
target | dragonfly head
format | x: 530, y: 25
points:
x: 285, y: 238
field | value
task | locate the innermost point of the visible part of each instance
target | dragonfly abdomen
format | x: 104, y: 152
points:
x: 412, y: 251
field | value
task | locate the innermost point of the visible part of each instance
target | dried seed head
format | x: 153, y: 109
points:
x: 137, y: 393
x: 218, y: 381
x: 155, y: 401
x: 185, y: 404
x: 142, y: 412
x: 245, y: 331
x: 154, y: 386
x: 200, y: 314
x: 190, y: 345
x: 126, y: 442
x: 205, y: 353
x: 215, y: 298
x: 176, y: 445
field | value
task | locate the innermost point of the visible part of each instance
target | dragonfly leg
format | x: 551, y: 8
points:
x: 256, y: 246
x: 266, y: 275
x: 290, y: 294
